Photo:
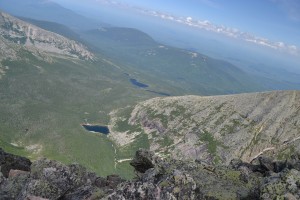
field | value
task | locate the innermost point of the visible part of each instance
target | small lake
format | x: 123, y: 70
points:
x: 96, y: 128
x: 139, y: 84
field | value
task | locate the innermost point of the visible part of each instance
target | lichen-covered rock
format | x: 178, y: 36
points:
x: 50, y: 179
x: 282, y: 185
x: 10, y: 188
x: 157, y: 179
x: 53, y: 180
x: 173, y: 179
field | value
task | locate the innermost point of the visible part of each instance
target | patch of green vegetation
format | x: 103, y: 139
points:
x: 212, y: 145
x: 125, y: 170
x: 219, y: 107
x: 220, y: 120
x: 274, y: 141
x: 217, y: 159
x: 164, y: 184
x: 228, y: 129
x: 13, y: 149
x: 141, y: 141
x: 286, y: 153
x: 230, y: 175
x: 209, y: 118
x: 163, y: 118
x: 211, y: 142
x: 123, y: 126
x: 166, y: 141
x: 18, y: 40
x: 178, y: 111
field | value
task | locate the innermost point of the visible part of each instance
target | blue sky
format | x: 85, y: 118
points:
x: 269, y: 22
x: 273, y: 19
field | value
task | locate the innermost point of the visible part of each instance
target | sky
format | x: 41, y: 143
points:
x: 271, y: 23
x: 274, y: 19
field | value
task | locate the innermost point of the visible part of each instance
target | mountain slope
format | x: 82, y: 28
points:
x: 46, y: 96
x: 215, y: 128
x: 26, y: 34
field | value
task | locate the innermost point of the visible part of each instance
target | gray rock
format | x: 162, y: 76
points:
x: 9, y: 161
x: 157, y: 179
x: 34, y: 38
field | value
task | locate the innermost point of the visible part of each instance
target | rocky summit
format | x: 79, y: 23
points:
x: 156, y: 178
x: 216, y: 129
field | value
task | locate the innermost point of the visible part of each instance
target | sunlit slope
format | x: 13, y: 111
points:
x: 215, y: 128
x: 49, y: 88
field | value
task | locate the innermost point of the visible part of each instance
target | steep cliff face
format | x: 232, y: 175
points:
x: 34, y: 38
x: 216, y: 128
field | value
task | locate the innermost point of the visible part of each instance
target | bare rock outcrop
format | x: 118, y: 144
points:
x: 156, y: 178
x: 10, y: 162
x: 34, y: 38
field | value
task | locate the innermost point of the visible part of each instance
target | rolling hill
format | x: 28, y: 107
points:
x: 190, y: 71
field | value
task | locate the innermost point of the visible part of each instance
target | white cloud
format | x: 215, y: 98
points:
x: 291, y: 6
x: 189, y: 19
x: 234, y: 33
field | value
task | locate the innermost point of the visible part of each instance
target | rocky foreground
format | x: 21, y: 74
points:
x: 156, y: 179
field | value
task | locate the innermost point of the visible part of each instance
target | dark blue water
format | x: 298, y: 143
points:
x: 139, y: 84
x: 96, y: 128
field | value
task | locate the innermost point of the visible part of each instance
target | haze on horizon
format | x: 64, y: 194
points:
x: 270, y: 23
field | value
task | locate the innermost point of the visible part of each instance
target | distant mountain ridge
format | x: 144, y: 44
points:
x: 46, y: 10
x: 123, y: 35
x: 215, y: 128
x: 31, y: 36
x: 54, y: 27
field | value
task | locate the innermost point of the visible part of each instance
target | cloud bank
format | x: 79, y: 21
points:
x: 230, y: 32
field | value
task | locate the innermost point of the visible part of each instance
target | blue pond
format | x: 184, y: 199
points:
x: 139, y: 84
x: 96, y: 128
